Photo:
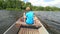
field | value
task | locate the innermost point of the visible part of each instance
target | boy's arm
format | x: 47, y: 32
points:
x: 35, y: 18
x: 24, y: 17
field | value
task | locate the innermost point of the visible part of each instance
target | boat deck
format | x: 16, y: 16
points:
x: 28, y: 31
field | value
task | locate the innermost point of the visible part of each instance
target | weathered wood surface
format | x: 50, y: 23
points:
x: 28, y: 31
x: 41, y: 30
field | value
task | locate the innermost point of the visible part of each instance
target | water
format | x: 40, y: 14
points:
x: 52, y: 19
x: 7, y: 18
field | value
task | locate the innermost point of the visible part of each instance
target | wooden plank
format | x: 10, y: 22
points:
x: 28, y: 31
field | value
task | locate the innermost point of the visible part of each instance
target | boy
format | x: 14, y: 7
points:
x: 29, y: 18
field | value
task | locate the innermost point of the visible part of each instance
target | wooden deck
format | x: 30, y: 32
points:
x: 41, y: 30
x: 28, y: 31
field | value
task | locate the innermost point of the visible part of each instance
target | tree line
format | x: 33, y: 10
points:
x: 20, y: 5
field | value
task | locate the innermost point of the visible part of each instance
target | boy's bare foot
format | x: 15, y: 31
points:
x: 17, y: 25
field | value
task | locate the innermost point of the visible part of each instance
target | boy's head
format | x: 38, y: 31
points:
x: 28, y: 8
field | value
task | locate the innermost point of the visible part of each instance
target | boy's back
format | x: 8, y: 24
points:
x: 30, y: 17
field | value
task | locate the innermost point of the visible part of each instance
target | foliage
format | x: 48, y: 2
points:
x: 20, y: 5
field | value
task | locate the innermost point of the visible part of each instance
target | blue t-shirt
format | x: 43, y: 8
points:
x: 29, y: 17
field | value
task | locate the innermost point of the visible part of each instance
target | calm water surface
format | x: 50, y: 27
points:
x: 7, y: 18
x: 52, y: 19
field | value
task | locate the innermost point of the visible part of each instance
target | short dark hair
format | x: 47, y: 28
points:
x: 30, y: 7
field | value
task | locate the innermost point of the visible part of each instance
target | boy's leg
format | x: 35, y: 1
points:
x: 23, y: 24
x: 20, y: 22
x: 36, y: 23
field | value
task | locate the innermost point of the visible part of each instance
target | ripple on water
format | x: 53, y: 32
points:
x: 52, y: 19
